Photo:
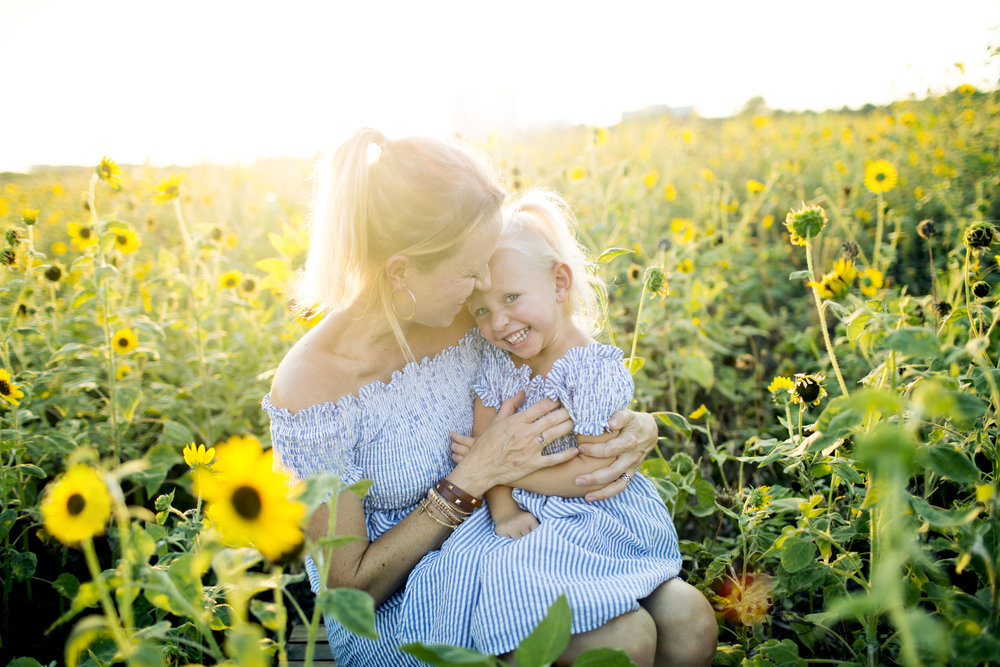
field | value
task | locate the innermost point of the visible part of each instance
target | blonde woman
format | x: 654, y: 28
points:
x: 402, y: 232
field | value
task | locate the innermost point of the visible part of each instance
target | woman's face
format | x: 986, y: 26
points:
x: 441, y: 292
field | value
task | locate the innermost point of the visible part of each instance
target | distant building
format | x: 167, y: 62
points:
x: 657, y: 110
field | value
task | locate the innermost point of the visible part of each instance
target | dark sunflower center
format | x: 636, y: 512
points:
x: 75, y: 504
x: 85, y: 233
x: 808, y: 390
x: 5, y: 388
x: 246, y: 502
x: 121, y: 239
x: 880, y: 177
x: 249, y: 285
x: 123, y: 342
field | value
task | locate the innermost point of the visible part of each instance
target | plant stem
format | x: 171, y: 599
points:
x: 822, y: 322
x: 879, y: 221
x: 114, y: 625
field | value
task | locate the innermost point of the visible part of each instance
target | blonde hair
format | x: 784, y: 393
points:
x: 375, y: 198
x: 540, y: 225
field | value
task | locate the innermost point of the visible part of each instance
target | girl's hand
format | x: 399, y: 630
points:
x: 635, y: 439
x: 511, y: 446
x: 515, y: 524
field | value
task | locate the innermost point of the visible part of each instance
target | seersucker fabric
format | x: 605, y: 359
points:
x: 397, y: 434
x: 487, y: 592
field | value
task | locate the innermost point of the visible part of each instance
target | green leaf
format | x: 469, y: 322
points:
x: 7, y: 519
x: 67, y: 585
x: 675, y: 421
x: 942, y: 518
x: 603, y: 657
x: 784, y: 652
x: 361, y: 487
x: 938, y: 399
x: 949, y: 462
x: 634, y: 364
x: 914, y: 342
x: 549, y: 639
x: 23, y: 564
x: 846, y: 471
x: 353, y: 609
x: 244, y: 643
x: 799, y: 275
x: 856, y: 325
x: 32, y: 470
x: 175, y: 434
x: 698, y: 367
x: 610, y: 254
x: 146, y: 654
x: 985, y: 379
x: 88, y: 631
x: 441, y: 655
x: 655, y: 468
x: 24, y: 662
x: 797, y: 554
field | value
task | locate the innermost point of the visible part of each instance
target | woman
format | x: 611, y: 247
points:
x: 402, y: 234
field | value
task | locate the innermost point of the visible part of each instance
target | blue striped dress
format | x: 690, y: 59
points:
x: 394, y: 433
x: 487, y: 592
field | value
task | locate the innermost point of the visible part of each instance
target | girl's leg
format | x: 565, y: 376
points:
x: 686, y: 629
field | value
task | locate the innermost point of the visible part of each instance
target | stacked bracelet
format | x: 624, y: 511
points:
x: 458, y: 498
x: 437, y: 515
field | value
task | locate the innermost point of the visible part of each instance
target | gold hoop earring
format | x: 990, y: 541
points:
x: 413, y: 310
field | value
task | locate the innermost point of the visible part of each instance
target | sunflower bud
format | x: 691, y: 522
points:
x: 926, y: 229
x: 981, y: 289
x: 29, y: 216
x: 53, y: 273
x: 979, y: 235
x: 13, y: 237
x: 681, y: 463
x: 805, y: 223
x: 942, y: 308
x: 850, y: 250
x: 656, y: 282
x: 8, y: 256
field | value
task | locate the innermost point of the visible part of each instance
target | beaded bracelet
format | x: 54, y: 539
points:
x: 457, y: 497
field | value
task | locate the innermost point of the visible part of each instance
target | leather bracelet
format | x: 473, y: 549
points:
x: 457, y: 496
x: 452, y: 513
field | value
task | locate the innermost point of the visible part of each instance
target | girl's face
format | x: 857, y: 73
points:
x: 523, y: 311
x: 441, y: 292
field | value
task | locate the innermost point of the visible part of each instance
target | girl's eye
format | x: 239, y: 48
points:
x: 510, y: 298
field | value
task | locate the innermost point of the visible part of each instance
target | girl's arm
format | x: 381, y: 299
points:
x: 509, y: 519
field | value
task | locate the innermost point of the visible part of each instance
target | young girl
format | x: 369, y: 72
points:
x: 605, y: 556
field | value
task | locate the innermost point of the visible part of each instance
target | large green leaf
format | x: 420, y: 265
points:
x: 353, y: 609
x: 797, y: 554
x: 949, y: 462
x: 441, y: 655
x: 914, y: 342
x: 549, y: 639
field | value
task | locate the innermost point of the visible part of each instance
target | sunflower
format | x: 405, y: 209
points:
x: 669, y: 192
x: 82, y: 236
x: 808, y: 388
x: 745, y: 599
x: 9, y: 391
x: 309, y: 317
x: 248, y: 286
x: 779, y: 383
x: 871, y: 281
x: 685, y: 266
x: 58, y: 248
x: 754, y: 187
x: 168, y: 189
x: 880, y: 176
x: 805, y: 223
x: 651, y: 178
x: 699, y: 412
x: 230, y: 279
x: 77, y: 506
x: 124, y: 341
x: 243, y: 440
x: 576, y: 173
x: 126, y: 241
x: 248, y: 500
x: 837, y: 283
x: 29, y: 216
x: 634, y: 274
x: 758, y: 499
x: 198, y: 456
x: 108, y: 171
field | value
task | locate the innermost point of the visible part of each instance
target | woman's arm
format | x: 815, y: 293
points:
x: 505, y: 451
x: 635, y: 438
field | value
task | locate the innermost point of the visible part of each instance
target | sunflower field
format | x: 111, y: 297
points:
x: 807, y: 301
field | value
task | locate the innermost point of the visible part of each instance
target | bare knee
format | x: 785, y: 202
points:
x: 633, y: 632
x: 687, y: 630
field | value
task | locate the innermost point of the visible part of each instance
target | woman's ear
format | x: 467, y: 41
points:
x: 397, y: 270
x: 563, y: 277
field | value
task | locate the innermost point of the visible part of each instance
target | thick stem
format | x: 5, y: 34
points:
x: 822, y: 323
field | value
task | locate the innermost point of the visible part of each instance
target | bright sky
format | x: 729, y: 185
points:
x: 187, y: 80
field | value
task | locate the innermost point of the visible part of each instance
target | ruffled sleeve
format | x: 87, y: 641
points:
x: 498, y: 378
x: 592, y: 383
x: 322, y: 438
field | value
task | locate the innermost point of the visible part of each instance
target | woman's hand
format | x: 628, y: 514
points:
x: 635, y: 439
x: 511, y: 446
